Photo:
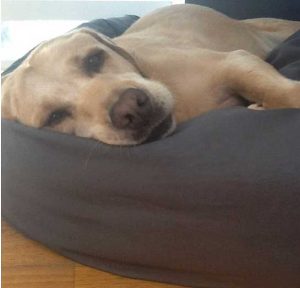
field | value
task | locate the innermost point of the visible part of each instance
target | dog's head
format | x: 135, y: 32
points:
x: 82, y: 83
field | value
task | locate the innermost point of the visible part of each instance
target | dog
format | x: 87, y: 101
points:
x: 169, y: 66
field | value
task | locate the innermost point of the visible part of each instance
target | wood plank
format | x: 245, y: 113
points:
x: 86, y: 277
x: 18, y: 250
x: 38, y: 277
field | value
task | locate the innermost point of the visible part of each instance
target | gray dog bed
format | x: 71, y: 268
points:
x: 214, y: 205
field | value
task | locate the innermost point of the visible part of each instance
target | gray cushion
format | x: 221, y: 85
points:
x: 243, y: 9
x: 214, y: 205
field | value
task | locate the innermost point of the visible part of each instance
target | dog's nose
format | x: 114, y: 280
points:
x: 132, y: 110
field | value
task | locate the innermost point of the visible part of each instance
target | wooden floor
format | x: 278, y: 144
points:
x: 27, y: 264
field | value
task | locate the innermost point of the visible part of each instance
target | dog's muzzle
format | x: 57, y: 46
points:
x: 135, y: 113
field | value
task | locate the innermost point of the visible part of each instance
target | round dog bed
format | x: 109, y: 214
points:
x: 214, y: 205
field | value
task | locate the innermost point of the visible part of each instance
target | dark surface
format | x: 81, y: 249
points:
x: 286, y: 57
x: 242, y: 9
x: 215, y: 205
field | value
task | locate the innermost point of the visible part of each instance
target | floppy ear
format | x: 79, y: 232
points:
x: 99, y: 36
x: 3, y: 78
x: 6, y: 105
x: 110, y: 43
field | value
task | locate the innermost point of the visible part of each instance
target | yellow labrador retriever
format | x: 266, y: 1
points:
x: 171, y: 65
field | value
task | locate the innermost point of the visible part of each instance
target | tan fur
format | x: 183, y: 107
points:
x: 188, y: 58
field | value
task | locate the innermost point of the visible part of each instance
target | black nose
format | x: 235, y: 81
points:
x: 132, y: 110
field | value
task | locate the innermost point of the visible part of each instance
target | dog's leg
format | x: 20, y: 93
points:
x: 279, y: 29
x: 271, y: 32
x: 258, y: 82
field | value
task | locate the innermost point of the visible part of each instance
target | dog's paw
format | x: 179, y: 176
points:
x: 256, y: 106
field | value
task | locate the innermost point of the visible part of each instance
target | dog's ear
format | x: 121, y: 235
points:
x: 6, y: 98
x: 3, y: 78
x: 99, y: 36
x: 110, y: 43
x: 107, y: 41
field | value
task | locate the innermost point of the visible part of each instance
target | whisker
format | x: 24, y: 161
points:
x: 89, y: 156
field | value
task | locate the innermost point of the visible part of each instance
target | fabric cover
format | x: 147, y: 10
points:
x: 243, y: 9
x: 214, y: 205
x: 286, y: 57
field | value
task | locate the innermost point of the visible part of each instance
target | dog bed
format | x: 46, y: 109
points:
x: 214, y: 205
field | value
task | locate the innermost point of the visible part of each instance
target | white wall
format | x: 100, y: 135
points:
x: 75, y: 9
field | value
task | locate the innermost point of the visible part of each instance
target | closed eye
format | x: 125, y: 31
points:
x: 93, y: 62
x: 56, y: 117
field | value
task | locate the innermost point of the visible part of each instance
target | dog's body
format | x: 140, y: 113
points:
x: 183, y: 47
x: 171, y: 65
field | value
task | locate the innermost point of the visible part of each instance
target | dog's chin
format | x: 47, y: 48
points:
x: 162, y: 129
